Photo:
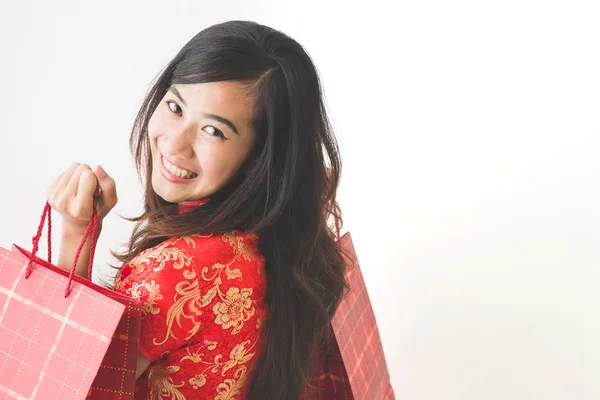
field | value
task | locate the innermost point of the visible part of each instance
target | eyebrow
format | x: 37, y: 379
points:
x: 207, y: 115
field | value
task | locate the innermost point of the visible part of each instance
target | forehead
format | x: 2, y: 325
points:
x: 228, y: 99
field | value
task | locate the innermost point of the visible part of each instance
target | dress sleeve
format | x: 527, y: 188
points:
x: 164, y: 279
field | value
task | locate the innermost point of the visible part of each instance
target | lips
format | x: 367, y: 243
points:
x: 187, y: 171
x: 175, y: 177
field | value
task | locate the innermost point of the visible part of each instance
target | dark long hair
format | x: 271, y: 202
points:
x: 288, y: 188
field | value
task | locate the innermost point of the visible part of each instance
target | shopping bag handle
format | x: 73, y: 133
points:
x: 93, y: 226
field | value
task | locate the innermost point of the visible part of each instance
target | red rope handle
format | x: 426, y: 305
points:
x: 50, y: 236
x: 93, y: 226
x: 94, y: 240
x: 36, y: 240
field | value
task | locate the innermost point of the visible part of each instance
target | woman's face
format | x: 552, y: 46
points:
x: 200, y: 135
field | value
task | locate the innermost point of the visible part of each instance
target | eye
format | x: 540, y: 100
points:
x: 169, y: 103
x: 215, y: 132
x: 211, y: 131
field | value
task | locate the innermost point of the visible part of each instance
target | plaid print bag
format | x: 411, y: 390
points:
x: 115, y: 379
x: 116, y: 376
x: 354, y: 366
x: 54, y: 330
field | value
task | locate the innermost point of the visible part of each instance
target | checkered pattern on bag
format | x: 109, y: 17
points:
x: 50, y: 346
x: 117, y: 373
x: 329, y: 379
x: 357, y: 336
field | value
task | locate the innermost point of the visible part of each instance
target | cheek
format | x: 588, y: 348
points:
x: 158, y: 124
x: 218, y: 166
x: 153, y: 126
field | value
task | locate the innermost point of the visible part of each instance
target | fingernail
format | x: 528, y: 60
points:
x: 100, y: 172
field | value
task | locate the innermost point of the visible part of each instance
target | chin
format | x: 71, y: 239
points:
x: 159, y: 189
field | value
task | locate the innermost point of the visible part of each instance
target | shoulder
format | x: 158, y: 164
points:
x: 210, y: 251
x: 197, y: 254
x: 216, y: 281
x: 229, y: 260
x: 242, y: 244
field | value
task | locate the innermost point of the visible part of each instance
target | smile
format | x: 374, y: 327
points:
x: 176, y: 172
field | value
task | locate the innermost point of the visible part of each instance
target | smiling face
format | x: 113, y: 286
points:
x: 200, y: 135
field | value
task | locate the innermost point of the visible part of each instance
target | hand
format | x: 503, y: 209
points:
x: 74, y: 191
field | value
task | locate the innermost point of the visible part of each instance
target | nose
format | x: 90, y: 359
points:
x: 178, y: 144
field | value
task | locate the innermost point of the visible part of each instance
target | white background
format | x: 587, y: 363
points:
x: 470, y: 132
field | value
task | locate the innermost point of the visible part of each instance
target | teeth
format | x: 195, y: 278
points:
x: 176, y: 171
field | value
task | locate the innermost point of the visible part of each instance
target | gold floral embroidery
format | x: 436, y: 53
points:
x: 136, y: 291
x: 198, y: 381
x: 239, y: 355
x: 240, y: 249
x: 235, y: 309
x: 190, y: 300
x: 231, y: 309
x: 196, y: 357
x: 162, y: 383
x: 211, y: 345
x: 230, y: 388
x: 187, y: 298
x: 231, y: 273
x: 190, y: 241
x: 159, y: 256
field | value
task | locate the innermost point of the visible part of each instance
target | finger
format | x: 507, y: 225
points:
x: 108, y: 188
x: 66, y: 177
x: 71, y: 189
x: 50, y: 192
x: 87, y: 186
x: 56, y: 181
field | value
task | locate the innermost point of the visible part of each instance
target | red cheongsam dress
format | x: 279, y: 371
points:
x: 203, y: 305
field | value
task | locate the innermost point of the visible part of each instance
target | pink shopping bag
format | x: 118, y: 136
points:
x: 357, y: 336
x: 116, y: 376
x: 353, y: 367
x: 54, y: 330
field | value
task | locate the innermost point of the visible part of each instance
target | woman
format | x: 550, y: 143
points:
x: 237, y: 269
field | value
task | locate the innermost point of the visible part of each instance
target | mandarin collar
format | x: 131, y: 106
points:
x: 188, y: 206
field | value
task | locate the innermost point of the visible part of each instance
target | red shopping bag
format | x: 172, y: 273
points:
x: 354, y: 366
x: 54, y: 329
x: 117, y: 373
x: 358, y: 338
x: 116, y: 376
